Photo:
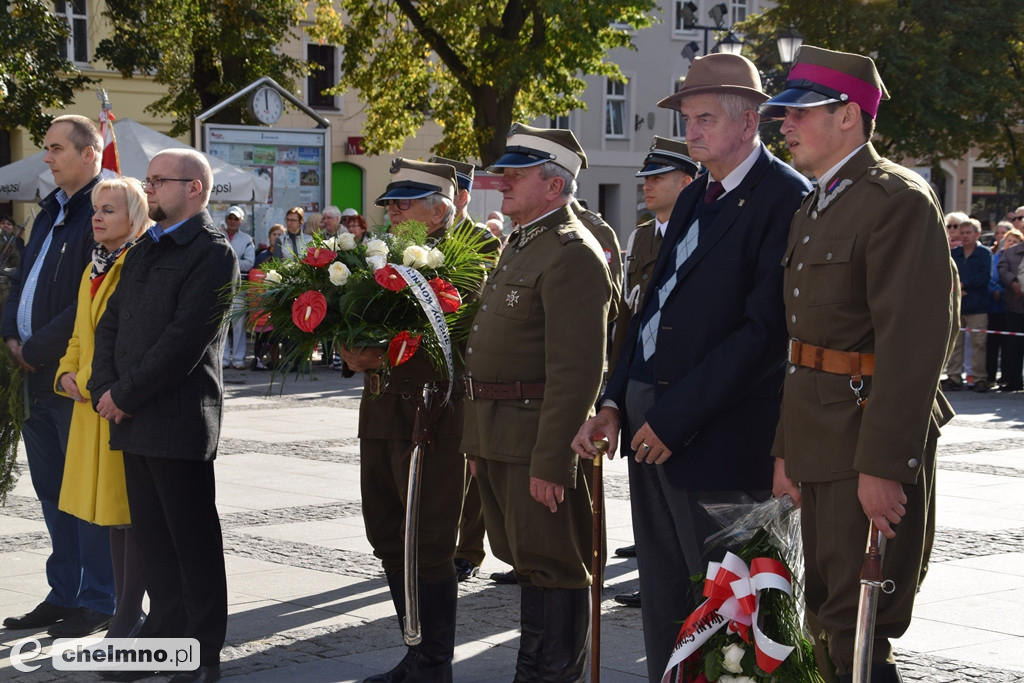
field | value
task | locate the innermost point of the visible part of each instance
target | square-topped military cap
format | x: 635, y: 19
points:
x: 668, y: 155
x: 528, y: 146
x: 417, y: 179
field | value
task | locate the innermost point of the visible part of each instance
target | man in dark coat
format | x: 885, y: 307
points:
x: 157, y: 378
x: 695, y: 390
x: 37, y: 323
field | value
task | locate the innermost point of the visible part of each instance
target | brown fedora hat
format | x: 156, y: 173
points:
x: 719, y: 72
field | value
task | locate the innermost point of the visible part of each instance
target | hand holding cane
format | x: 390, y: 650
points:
x: 600, y: 442
x: 871, y: 583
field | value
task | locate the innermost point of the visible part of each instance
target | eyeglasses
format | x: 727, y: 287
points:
x: 157, y: 183
x: 1018, y: 218
x: 402, y: 204
x: 952, y: 226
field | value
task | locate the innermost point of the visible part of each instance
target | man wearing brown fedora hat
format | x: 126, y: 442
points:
x: 695, y: 389
x: 861, y: 408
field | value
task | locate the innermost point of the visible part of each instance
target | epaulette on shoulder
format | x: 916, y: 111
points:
x: 568, y: 233
x: 892, y: 177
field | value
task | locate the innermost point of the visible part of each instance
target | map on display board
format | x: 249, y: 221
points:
x: 293, y: 159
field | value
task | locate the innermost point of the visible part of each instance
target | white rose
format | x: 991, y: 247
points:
x: 435, y: 258
x: 376, y: 261
x: 415, y: 256
x: 331, y: 243
x: 346, y: 241
x: 273, y: 276
x: 338, y: 273
x: 377, y: 247
x: 733, y: 654
x: 726, y: 678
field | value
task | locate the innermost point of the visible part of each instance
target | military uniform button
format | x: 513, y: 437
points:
x: 522, y: 279
x: 814, y: 215
x: 874, y: 171
x: 792, y: 369
x: 806, y: 239
x: 483, y: 307
x: 828, y: 256
x: 800, y: 266
x: 912, y: 463
x: 792, y: 318
x: 644, y: 276
x: 476, y: 327
x: 526, y: 401
x: 505, y: 267
x: 469, y: 350
x: 493, y: 287
x: 796, y: 292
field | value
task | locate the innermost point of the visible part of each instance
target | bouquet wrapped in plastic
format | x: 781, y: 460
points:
x: 397, y: 290
x: 750, y: 628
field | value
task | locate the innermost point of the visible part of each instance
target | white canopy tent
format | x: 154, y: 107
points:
x: 30, y: 179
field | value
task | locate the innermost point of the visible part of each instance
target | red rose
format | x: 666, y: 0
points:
x: 308, y: 310
x: 447, y: 295
x: 319, y: 256
x: 389, y: 278
x: 402, y: 347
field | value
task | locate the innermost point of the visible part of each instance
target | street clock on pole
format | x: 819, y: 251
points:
x: 266, y: 105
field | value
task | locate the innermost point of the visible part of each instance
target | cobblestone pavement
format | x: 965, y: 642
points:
x: 310, y: 605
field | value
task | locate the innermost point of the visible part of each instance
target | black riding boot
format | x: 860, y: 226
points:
x: 531, y: 633
x: 880, y: 673
x: 396, y: 584
x: 565, y: 649
x: 433, y: 662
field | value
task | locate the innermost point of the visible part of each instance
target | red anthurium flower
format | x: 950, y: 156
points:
x: 319, y: 256
x: 389, y: 278
x: 402, y: 347
x: 447, y: 295
x: 308, y: 310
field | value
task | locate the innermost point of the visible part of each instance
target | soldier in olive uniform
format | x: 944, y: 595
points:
x: 422, y: 192
x: 609, y: 241
x: 534, y: 364
x: 469, y: 554
x: 667, y: 169
x: 872, y: 311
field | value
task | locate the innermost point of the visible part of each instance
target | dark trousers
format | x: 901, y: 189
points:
x: 670, y: 526
x: 471, y: 526
x: 78, y: 569
x: 176, y: 527
x: 1013, y: 352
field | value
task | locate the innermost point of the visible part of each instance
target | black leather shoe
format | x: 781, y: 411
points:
x: 628, y: 599
x: 507, y: 578
x: 627, y: 551
x: 204, y: 674
x: 45, y: 614
x: 84, y: 623
x: 464, y: 569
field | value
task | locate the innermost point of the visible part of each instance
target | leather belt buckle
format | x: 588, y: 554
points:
x: 373, y: 382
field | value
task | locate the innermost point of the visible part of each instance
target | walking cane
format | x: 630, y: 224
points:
x: 871, y: 583
x: 600, y: 442
x: 411, y: 628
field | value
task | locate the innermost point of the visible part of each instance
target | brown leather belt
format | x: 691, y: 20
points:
x: 502, y: 391
x: 851, y: 363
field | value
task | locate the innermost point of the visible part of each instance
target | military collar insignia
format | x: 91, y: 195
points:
x: 832, y: 192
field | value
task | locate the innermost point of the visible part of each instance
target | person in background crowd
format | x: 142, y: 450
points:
x: 314, y: 223
x: 1017, y: 218
x: 953, y: 222
x: 38, y: 321
x: 423, y: 192
x: 676, y: 397
x: 294, y: 242
x: 266, y: 251
x: 666, y: 170
x: 974, y: 264
x: 241, y: 243
x: 93, y: 487
x: 870, y: 329
x: 156, y: 376
x: 996, y: 304
x: 535, y: 361
x: 1008, y: 267
x: 11, y: 246
x: 354, y: 223
x: 331, y: 222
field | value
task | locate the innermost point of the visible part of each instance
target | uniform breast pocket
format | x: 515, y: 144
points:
x: 518, y: 295
x: 830, y: 270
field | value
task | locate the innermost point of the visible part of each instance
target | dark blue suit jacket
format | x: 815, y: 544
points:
x: 718, y: 363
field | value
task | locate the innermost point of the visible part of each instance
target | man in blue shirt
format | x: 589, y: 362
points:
x: 974, y: 262
x: 37, y: 323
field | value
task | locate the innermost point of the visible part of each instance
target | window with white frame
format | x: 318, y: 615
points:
x: 560, y: 122
x: 678, y: 23
x: 678, y: 125
x: 738, y: 10
x: 74, y: 12
x: 326, y: 76
x: 615, y: 109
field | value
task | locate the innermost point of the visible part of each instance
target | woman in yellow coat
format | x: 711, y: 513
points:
x: 93, y: 487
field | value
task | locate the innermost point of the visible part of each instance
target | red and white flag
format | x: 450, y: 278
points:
x: 111, y: 162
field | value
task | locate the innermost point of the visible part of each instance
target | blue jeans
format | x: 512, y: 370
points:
x: 79, y: 569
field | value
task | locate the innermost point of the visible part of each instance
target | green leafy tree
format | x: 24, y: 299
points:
x: 955, y: 69
x: 33, y: 75
x: 473, y: 66
x: 202, y: 50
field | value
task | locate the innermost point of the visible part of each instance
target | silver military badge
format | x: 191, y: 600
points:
x: 513, y: 298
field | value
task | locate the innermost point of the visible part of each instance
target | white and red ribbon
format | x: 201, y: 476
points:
x: 733, y: 597
x: 427, y: 298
